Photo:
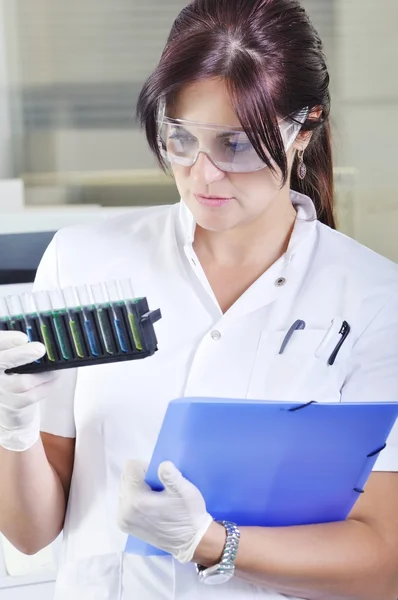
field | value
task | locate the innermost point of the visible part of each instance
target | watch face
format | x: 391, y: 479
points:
x: 218, y: 577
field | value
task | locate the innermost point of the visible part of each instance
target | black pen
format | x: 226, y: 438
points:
x: 344, y: 331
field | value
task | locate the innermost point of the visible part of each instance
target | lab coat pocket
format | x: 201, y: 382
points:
x: 300, y: 373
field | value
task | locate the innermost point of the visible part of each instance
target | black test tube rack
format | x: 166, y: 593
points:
x: 138, y: 342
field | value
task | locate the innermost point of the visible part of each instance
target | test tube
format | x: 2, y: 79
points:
x: 42, y: 307
x: 58, y: 313
x: 12, y: 316
x: 84, y: 302
x: 24, y: 307
x: 71, y: 303
x: 4, y: 315
x: 29, y: 309
x: 126, y: 292
x: 112, y: 295
x: 17, y: 309
x: 100, y: 303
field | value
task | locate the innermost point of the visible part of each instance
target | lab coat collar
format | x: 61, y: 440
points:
x: 271, y: 285
x: 187, y: 223
x: 305, y: 222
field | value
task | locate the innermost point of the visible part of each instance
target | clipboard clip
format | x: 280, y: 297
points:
x: 301, y: 406
x: 370, y: 455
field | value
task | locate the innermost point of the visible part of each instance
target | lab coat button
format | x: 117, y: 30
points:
x: 216, y: 335
x: 280, y: 281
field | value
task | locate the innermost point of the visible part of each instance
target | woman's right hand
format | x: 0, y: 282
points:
x: 20, y: 395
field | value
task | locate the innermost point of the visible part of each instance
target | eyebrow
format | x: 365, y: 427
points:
x: 177, y: 127
x: 220, y: 136
x: 228, y: 134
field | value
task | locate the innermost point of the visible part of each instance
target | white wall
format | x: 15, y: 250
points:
x: 366, y: 57
x: 5, y: 126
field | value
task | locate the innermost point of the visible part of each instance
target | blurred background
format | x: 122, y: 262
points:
x: 70, y: 74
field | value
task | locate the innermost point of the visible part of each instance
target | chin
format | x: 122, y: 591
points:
x: 216, y: 223
x: 214, y: 228
x: 211, y: 218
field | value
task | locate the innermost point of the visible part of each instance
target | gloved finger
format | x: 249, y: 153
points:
x: 171, y: 478
x: 134, y: 473
x: 11, y: 339
x: 23, y: 384
x: 21, y: 355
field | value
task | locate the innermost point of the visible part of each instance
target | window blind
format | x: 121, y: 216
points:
x: 83, y: 61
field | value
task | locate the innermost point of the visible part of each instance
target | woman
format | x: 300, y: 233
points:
x: 238, y: 108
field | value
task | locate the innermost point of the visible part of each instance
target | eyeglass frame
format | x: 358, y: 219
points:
x: 162, y: 119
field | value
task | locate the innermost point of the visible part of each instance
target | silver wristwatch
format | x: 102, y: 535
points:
x: 225, y: 569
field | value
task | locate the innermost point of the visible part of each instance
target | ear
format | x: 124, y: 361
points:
x: 304, y: 137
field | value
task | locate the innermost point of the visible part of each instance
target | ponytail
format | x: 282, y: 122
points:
x: 318, y: 183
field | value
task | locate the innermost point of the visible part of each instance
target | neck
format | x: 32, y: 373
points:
x: 263, y: 240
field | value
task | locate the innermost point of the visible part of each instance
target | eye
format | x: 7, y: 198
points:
x: 238, y: 146
x: 181, y: 136
x: 181, y: 141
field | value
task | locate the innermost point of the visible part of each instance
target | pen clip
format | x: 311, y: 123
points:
x: 299, y: 324
x: 344, y: 331
x: 330, y: 339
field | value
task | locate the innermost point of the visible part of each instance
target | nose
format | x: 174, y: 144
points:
x: 205, y: 171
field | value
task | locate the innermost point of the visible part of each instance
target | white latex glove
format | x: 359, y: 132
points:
x: 174, y: 520
x: 20, y: 394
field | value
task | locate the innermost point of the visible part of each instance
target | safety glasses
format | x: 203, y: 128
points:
x: 180, y: 142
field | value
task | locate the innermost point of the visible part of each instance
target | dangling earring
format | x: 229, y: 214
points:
x: 302, y: 167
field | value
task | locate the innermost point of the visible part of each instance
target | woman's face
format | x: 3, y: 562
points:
x: 248, y: 196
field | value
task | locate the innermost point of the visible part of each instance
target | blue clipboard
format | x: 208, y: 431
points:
x: 264, y: 463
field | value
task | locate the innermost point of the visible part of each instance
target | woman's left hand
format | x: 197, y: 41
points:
x: 174, y: 520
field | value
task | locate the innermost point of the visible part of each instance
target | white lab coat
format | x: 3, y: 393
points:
x: 117, y: 409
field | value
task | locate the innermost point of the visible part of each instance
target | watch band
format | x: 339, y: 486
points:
x: 225, y: 569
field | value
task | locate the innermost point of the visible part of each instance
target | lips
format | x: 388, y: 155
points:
x: 213, y: 201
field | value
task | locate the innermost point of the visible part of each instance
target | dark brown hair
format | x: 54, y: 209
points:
x: 271, y: 58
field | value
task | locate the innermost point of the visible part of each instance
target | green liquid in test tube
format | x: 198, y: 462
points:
x: 127, y: 294
x: 42, y: 305
x: 58, y: 312
x: 76, y: 338
x: 71, y: 302
x: 60, y: 331
x: 47, y: 340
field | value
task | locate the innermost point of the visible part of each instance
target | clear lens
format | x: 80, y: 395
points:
x: 230, y: 149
